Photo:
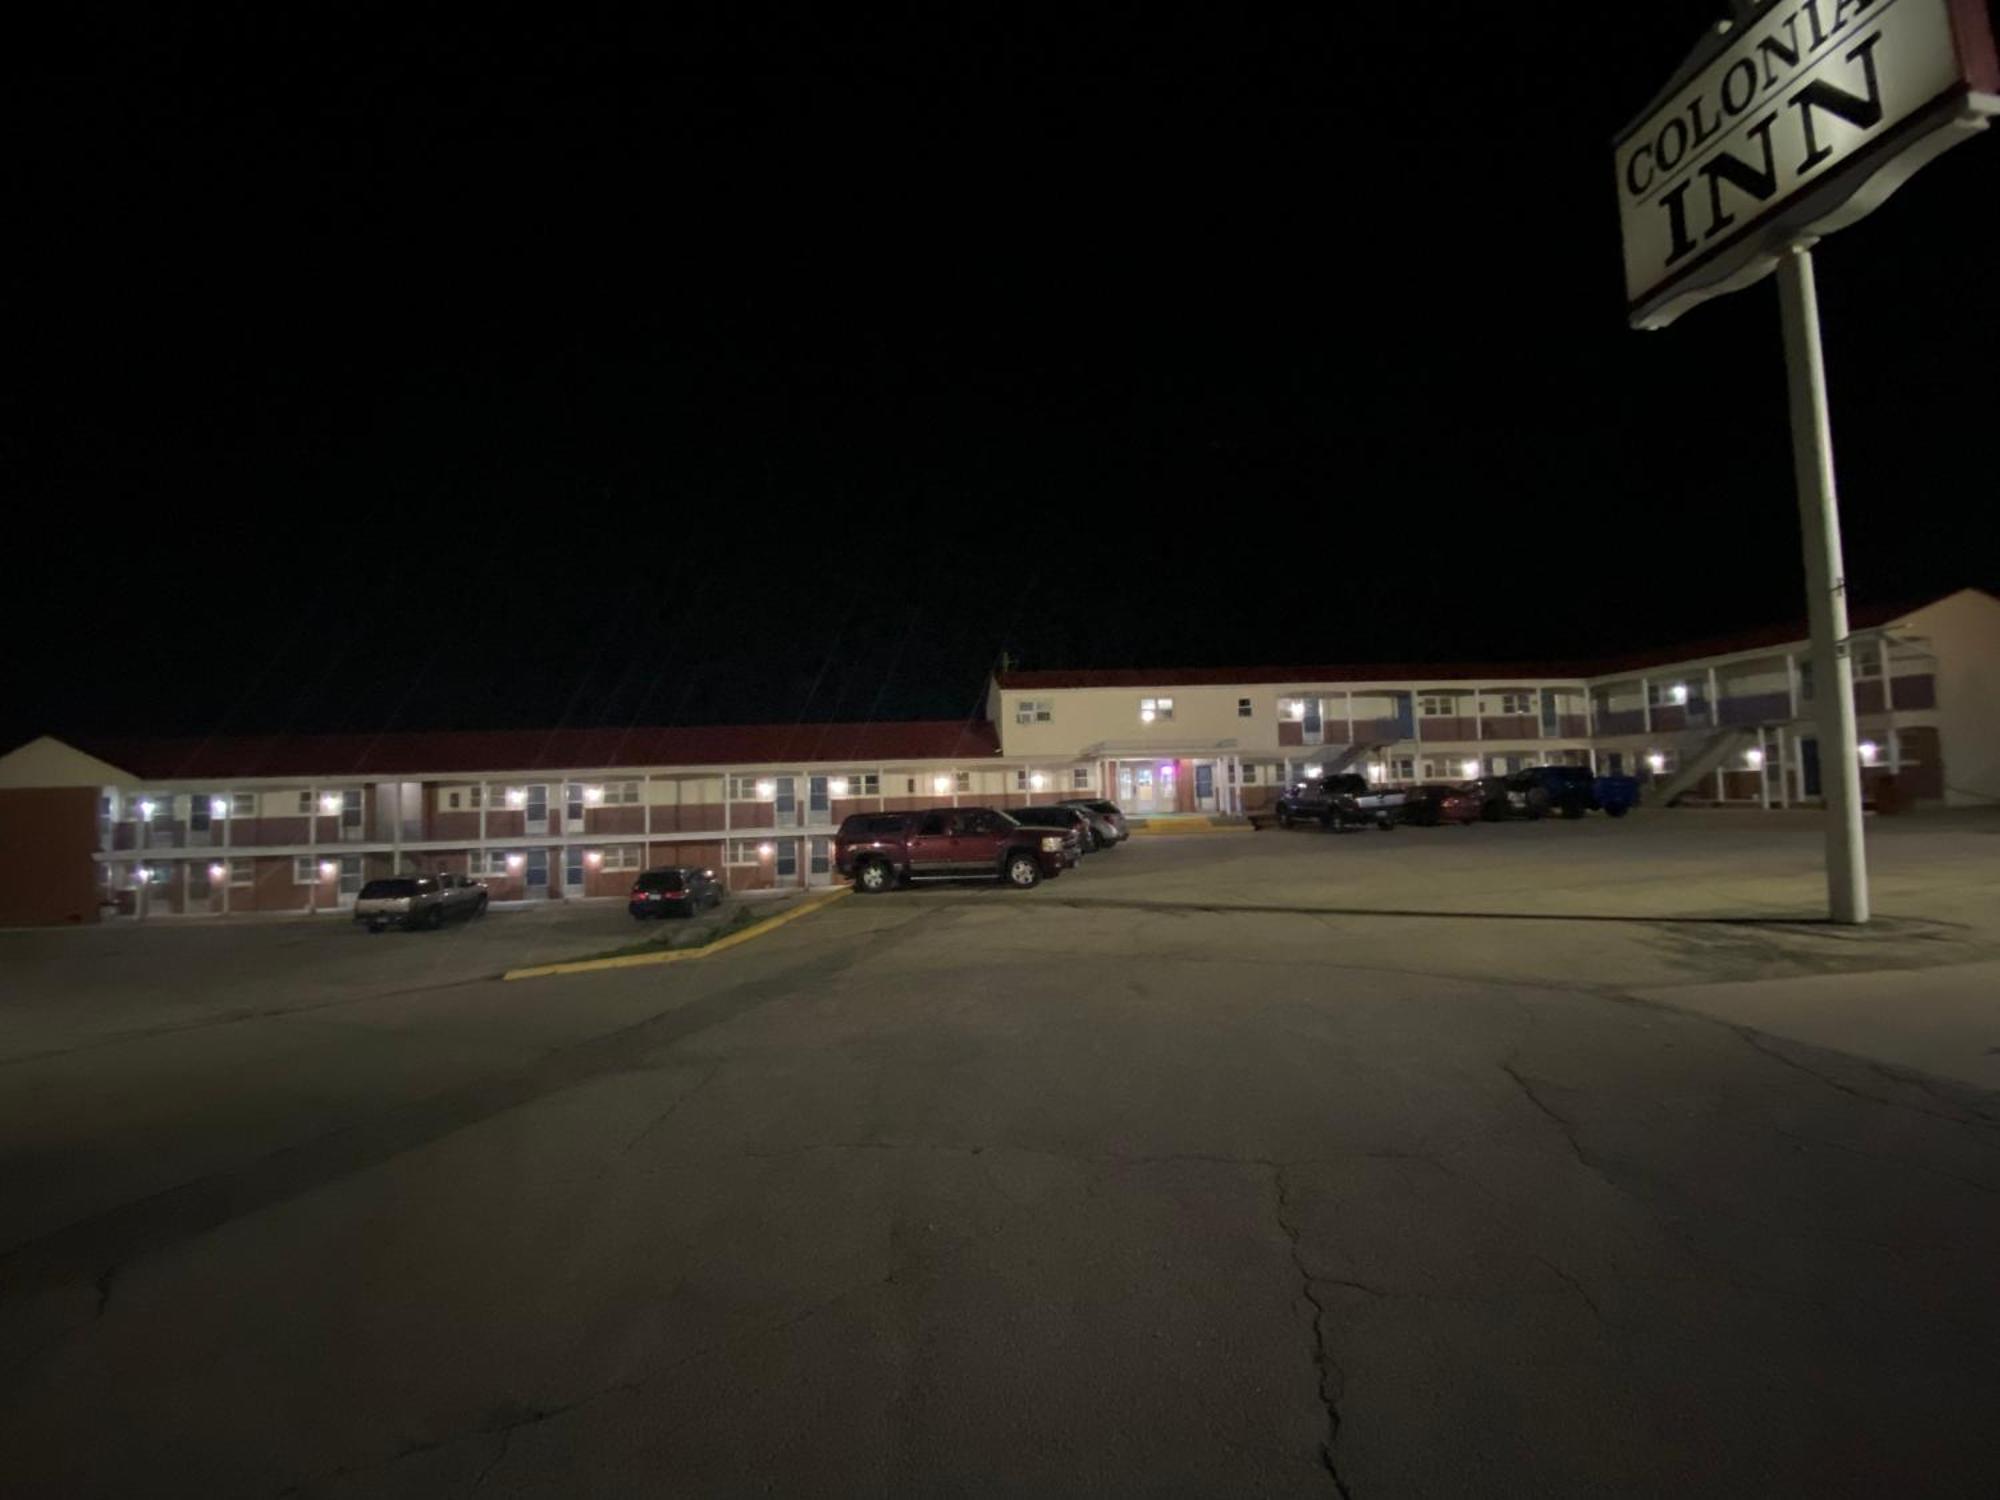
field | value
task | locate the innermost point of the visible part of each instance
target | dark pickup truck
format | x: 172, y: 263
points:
x: 878, y: 850
x: 1339, y: 801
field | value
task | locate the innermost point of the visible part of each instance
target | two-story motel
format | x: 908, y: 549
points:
x: 298, y: 823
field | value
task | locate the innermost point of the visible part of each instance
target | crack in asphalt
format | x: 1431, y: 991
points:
x: 1564, y: 1124
x: 1332, y: 1380
x: 1978, y: 1121
x: 670, y: 1111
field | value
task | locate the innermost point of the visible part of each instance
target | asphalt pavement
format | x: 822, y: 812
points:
x: 1437, y: 1163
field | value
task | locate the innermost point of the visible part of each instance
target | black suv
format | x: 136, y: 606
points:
x: 677, y: 891
x: 878, y: 850
x: 1538, y: 791
x: 1073, y: 819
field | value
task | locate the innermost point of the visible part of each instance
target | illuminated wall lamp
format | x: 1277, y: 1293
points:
x: 1869, y: 750
x: 515, y: 861
x: 330, y: 803
x: 218, y: 807
x: 838, y: 786
x: 146, y: 809
x: 1038, y: 781
x: 1145, y: 716
x: 592, y: 795
x: 1754, y: 759
x: 1470, y: 768
x: 516, y: 797
x: 940, y: 783
x: 328, y: 869
x: 216, y: 872
x: 1657, y: 762
x: 767, y: 789
x: 765, y: 851
x: 593, y: 857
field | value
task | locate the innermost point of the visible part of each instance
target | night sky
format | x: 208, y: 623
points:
x: 376, y: 370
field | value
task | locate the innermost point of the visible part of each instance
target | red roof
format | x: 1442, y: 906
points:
x: 434, y: 753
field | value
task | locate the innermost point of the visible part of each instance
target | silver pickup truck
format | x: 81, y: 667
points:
x: 418, y: 901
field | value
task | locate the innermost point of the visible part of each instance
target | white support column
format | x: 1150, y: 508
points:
x: 1714, y: 700
x: 1763, y: 772
x: 396, y: 836
x: 727, y: 824
x: 1792, y: 684
x: 1784, y: 769
x: 1479, y: 716
x: 1826, y: 589
x: 1646, y: 702
x: 312, y: 848
x: 646, y: 813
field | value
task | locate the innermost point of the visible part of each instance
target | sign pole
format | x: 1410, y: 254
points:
x: 1826, y: 588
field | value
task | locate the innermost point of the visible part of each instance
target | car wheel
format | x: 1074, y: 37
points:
x: 479, y: 910
x: 1387, y: 825
x: 1022, y: 872
x: 873, y: 877
x: 1616, y: 812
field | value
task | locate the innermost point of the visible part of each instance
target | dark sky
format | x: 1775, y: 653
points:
x: 380, y: 370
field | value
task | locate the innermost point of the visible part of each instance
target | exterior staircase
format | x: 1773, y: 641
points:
x: 1352, y: 753
x: 1714, y: 751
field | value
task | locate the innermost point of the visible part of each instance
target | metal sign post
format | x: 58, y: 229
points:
x: 1826, y: 589
x: 1792, y: 119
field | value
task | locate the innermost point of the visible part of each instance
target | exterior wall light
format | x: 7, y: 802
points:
x: 328, y: 869
x: 146, y: 806
x: 1869, y: 750
x: 1145, y: 716
x: 515, y: 861
x: 1470, y: 768
x: 837, y: 786
x: 1375, y: 772
x: 140, y: 875
x: 1038, y: 781
x: 1312, y: 773
x: 765, y: 851
x: 593, y: 795
x: 516, y: 797
x: 1678, y: 693
x: 1753, y: 758
x: 330, y: 803
x: 593, y: 857
x: 218, y: 807
x: 1656, y: 761
x: 767, y: 789
x: 940, y: 783
x: 216, y: 872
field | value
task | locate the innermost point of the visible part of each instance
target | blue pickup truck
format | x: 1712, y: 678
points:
x: 1566, y: 791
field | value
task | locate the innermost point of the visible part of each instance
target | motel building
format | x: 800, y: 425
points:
x: 298, y: 823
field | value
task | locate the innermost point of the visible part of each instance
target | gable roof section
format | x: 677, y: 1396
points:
x: 49, y: 762
x: 487, y: 751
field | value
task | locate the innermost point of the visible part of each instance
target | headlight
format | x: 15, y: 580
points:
x: 1051, y: 845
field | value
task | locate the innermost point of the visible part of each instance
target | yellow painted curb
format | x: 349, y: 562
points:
x: 679, y: 955
x: 1172, y: 831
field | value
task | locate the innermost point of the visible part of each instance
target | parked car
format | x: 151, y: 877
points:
x: 1107, y: 813
x: 1344, y: 800
x: 1071, y: 819
x: 879, y: 850
x: 413, y: 901
x: 1566, y: 791
x: 675, y: 891
x: 1441, y: 802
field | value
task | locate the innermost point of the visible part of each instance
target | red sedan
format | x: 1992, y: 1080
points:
x: 1438, y: 802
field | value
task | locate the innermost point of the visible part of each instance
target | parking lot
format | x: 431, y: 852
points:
x: 1536, y: 1158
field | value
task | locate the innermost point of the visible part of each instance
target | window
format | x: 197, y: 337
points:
x: 1403, y: 768
x: 1517, y: 703
x: 197, y: 882
x: 620, y: 857
x: 1079, y: 778
x: 1155, y: 710
x: 242, y: 872
x: 1292, y: 708
x: 1666, y: 694
x: 474, y: 796
x: 963, y: 781
x: 857, y: 784
x: 744, y: 852
x: 620, y: 794
x: 491, y: 862
x: 1806, y: 681
x: 1867, y: 660
x: 752, y: 789
x: 1242, y: 708
x: 305, y: 870
x: 1437, y: 706
x: 243, y: 805
x: 1249, y: 773
x: 451, y: 800
x: 821, y: 854
x: 305, y: 804
x: 1034, y: 711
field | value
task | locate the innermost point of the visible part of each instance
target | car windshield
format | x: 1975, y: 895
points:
x: 661, y: 880
x: 377, y: 890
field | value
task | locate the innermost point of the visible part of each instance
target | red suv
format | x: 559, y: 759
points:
x: 878, y: 850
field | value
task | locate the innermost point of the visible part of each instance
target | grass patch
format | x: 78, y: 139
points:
x: 679, y: 935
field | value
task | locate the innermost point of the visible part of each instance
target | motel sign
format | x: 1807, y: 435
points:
x: 1802, y: 120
